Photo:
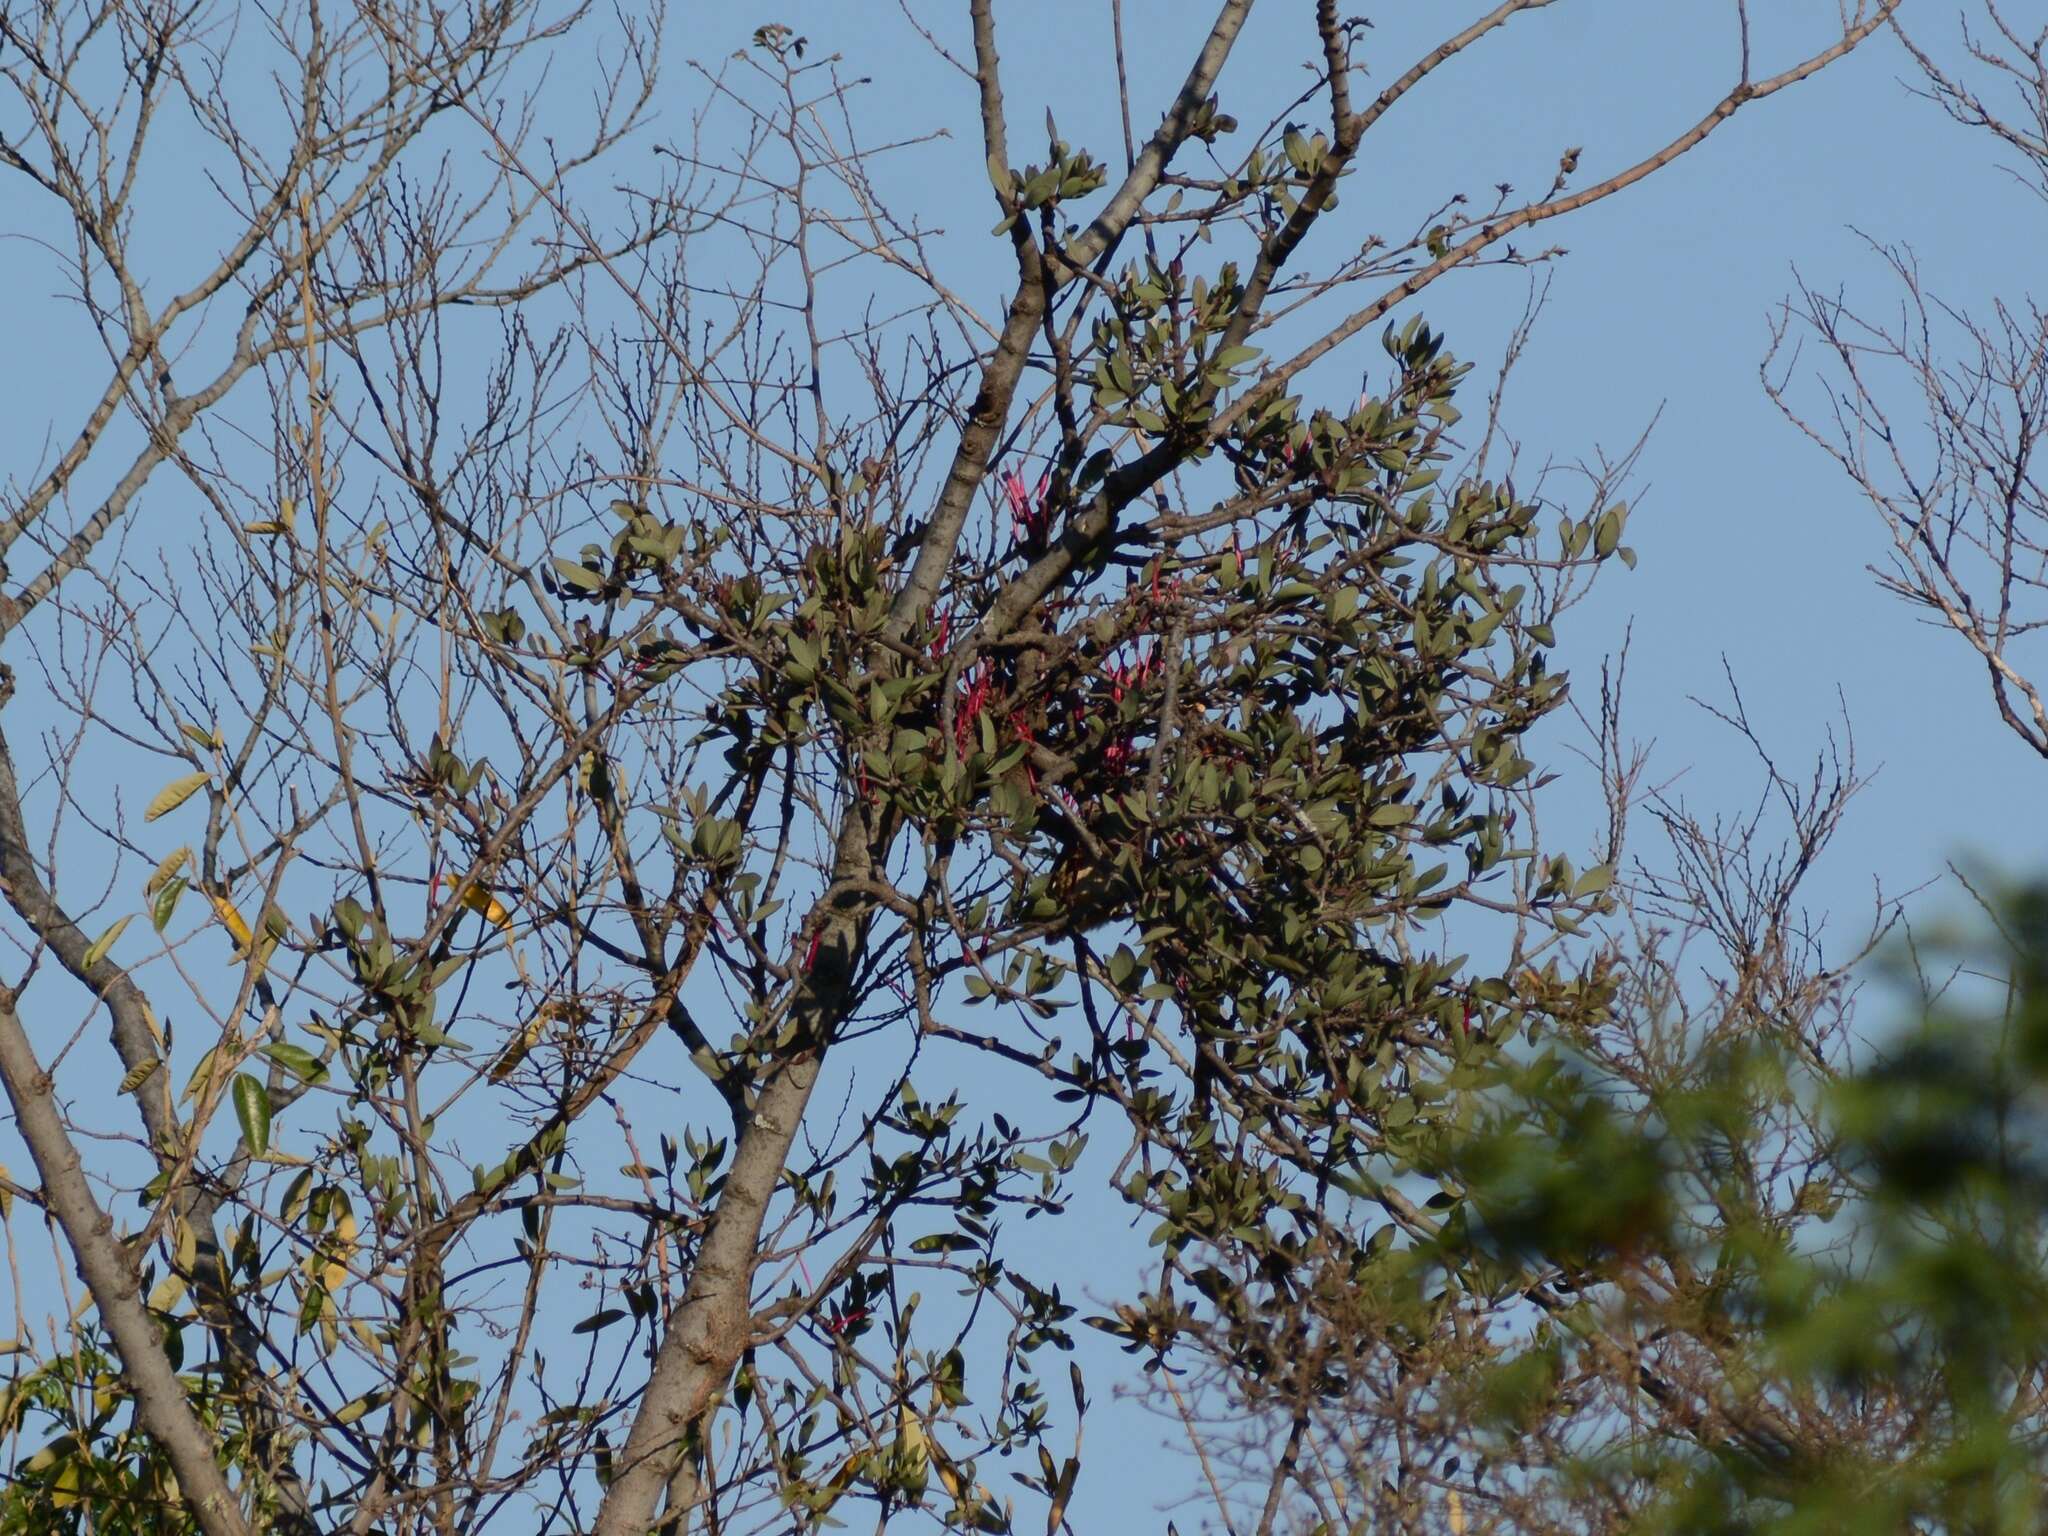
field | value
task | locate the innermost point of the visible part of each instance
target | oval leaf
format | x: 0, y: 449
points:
x: 165, y: 1294
x: 477, y: 899
x: 200, y: 1082
x: 349, y: 1412
x: 103, y: 943
x: 167, y: 870
x: 252, y: 1109
x: 232, y: 920
x: 578, y: 575
x: 165, y: 902
x: 175, y: 794
x: 298, y: 1061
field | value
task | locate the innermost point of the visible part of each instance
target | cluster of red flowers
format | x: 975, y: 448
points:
x: 981, y: 683
x: 1126, y: 677
x: 1030, y: 516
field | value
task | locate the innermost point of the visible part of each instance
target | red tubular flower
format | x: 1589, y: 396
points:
x: 1029, y: 515
x: 1020, y: 502
x: 971, y: 705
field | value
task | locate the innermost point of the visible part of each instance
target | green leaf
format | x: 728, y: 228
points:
x: 1608, y: 534
x: 175, y: 794
x: 298, y: 1061
x: 429, y: 1033
x: 579, y: 576
x: 166, y: 902
x: 252, y: 1109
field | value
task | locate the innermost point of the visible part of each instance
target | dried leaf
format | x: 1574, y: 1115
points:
x: 175, y: 794
x: 169, y: 866
x: 98, y: 951
x: 166, y: 1293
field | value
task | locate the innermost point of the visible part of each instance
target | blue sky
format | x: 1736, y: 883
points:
x: 1752, y: 546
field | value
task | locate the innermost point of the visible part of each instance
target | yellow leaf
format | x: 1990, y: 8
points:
x: 349, y: 1412
x: 333, y: 1276
x: 166, y: 1293
x: 102, y: 944
x: 1455, y: 1507
x: 910, y: 1433
x: 515, y: 1053
x: 175, y: 794
x: 173, y: 862
x: 841, y: 1477
x: 201, y: 1080
x: 477, y: 899
x: 231, y: 920
x: 63, y: 1488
